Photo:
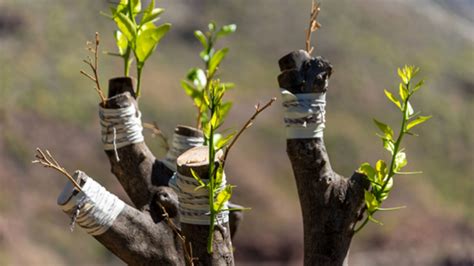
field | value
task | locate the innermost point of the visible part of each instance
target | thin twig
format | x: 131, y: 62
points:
x: 188, y: 249
x: 94, y: 67
x: 158, y: 133
x: 47, y: 160
x: 313, y: 25
x: 248, y: 124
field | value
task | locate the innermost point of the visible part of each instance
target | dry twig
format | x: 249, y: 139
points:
x: 94, y: 66
x: 188, y: 250
x: 248, y: 124
x: 158, y: 133
x: 47, y: 160
x: 313, y: 25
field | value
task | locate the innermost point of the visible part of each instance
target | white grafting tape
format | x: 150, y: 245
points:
x: 179, y: 145
x: 120, y: 127
x: 194, y: 204
x: 304, y: 114
x: 96, y: 207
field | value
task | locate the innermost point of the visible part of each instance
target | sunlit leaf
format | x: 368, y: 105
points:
x: 392, y: 98
x: 419, y: 85
x: 403, y: 91
x: 400, y: 161
x: 224, y: 141
x: 200, y: 36
x: 226, y: 30
x: 384, y: 128
x: 367, y: 170
x: 126, y: 26
x: 216, y: 60
x: 147, y: 41
x: 417, y: 121
x: 197, y: 178
x: 222, y: 198
x: 121, y: 41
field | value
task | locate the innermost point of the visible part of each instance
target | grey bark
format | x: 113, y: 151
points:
x: 331, y: 204
x: 197, y: 235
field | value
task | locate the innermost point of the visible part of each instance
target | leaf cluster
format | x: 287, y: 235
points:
x: 198, y: 80
x: 381, y: 176
x: 137, y: 36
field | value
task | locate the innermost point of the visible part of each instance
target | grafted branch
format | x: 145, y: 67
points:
x: 331, y: 204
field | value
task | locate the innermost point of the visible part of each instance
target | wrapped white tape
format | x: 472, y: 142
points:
x: 304, y: 114
x: 194, y: 204
x: 179, y: 145
x: 120, y: 127
x: 95, y: 207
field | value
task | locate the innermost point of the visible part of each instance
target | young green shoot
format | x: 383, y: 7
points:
x: 139, y: 37
x: 381, y: 176
x: 198, y: 80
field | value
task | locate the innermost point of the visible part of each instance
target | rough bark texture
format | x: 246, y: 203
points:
x: 331, y: 204
x: 197, y: 235
x: 138, y: 171
x: 137, y: 240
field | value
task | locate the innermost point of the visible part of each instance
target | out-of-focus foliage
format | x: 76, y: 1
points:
x: 44, y: 101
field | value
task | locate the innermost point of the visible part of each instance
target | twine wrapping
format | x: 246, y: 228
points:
x: 120, y: 127
x: 304, y: 114
x: 94, y: 208
x: 194, y: 204
x: 179, y: 145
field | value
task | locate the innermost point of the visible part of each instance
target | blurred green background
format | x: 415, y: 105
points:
x: 45, y: 102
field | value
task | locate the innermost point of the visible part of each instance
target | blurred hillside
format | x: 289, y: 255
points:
x: 45, y: 102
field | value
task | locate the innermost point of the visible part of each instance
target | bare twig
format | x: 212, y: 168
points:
x: 248, y: 124
x: 188, y: 249
x: 47, y: 160
x: 158, y: 133
x: 94, y: 66
x: 313, y: 25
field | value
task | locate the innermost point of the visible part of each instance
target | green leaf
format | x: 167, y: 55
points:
x: 200, y: 36
x: 226, y: 30
x: 419, y: 120
x: 400, y: 161
x: 211, y: 26
x: 198, y: 179
x: 136, y: 6
x: 216, y: 60
x: 418, y: 85
x: 147, y: 41
x: 367, y: 170
x: 403, y: 91
x: 385, y: 129
x: 402, y: 75
x: 126, y: 26
x: 121, y: 41
x: 223, y: 141
x: 152, y: 16
x: 392, y: 98
x: 219, y: 175
x: 388, y: 145
x: 392, y: 209
x: 381, y: 169
x: 224, y: 110
x: 222, y: 198
x: 197, y: 77
x: 370, y: 201
x: 215, y: 123
x: 371, y: 218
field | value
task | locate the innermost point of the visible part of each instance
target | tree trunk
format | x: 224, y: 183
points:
x: 331, y: 204
x: 197, y: 235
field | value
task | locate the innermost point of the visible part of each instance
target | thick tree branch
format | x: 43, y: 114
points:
x: 331, y: 204
x: 138, y: 171
x: 197, y: 235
